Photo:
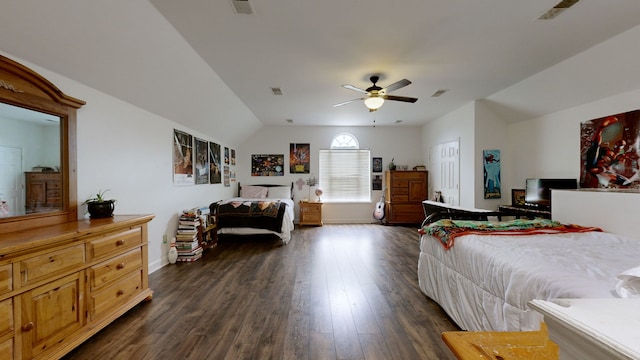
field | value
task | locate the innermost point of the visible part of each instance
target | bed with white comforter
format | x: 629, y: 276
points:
x: 484, y: 282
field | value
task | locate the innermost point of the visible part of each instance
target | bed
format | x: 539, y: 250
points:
x: 258, y: 209
x: 484, y: 282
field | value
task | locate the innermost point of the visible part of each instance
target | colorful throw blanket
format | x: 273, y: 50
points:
x: 447, y: 230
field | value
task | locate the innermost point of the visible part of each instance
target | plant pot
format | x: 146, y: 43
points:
x: 102, y: 209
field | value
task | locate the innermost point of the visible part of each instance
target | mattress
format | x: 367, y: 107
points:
x: 287, y: 221
x: 484, y: 282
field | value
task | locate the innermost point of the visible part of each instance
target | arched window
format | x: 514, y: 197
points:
x: 345, y: 171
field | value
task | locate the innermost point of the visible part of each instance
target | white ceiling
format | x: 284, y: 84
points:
x: 473, y: 48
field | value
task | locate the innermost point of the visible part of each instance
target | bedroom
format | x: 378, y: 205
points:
x: 138, y: 169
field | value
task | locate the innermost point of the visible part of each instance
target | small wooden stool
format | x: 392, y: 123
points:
x: 498, y: 345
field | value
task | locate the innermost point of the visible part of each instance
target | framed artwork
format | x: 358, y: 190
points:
x: 233, y: 156
x: 226, y: 156
x: 491, y: 164
x: 202, y: 161
x: 377, y: 165
x: 227, y: 176
x: 182, y: 158
x: 610, y: 152
x: 215, y: 165
x: 376, y: 182
x: 267, y: 165
x: 299, y: 157
x: 517, y: 197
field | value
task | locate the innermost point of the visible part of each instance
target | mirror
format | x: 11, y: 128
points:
x: 38, y: 183
x: 30, y: 178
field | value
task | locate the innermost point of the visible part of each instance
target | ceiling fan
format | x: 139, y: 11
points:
x: 376, y: 95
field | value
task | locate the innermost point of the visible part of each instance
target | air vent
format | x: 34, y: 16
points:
x: 242, y: 7
x: 289, y: 121
x: 558, y: 9
x: 439, y: 92
x: 276, y: 91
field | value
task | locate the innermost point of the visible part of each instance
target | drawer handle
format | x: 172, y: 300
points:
x: 28, y: 326
x: 120, y: 266
x: 120, y: 242
x: 120, y: 292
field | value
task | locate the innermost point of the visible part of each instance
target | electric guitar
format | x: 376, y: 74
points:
x: 378, y: 213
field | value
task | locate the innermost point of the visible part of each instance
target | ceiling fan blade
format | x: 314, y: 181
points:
x: 400, y: 98
x: 396, y: 85
x: 351, y: 87
x: 347, y: 102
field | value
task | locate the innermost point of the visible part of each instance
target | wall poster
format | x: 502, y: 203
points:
x: 267, y: 165
x: 215, y: 165
x: 202, y: 161
x: 182, y: 158
x: 610, y: 152
x: 299, y: 157
x: 491, y: 162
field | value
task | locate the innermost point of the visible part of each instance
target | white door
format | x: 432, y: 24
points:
x: 11, y: 180
x: 444, y: 169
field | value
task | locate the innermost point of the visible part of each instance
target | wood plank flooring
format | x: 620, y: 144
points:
x: 334, y: 292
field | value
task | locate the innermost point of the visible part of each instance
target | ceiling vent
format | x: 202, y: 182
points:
x: 439, y: 92
x: 276, y: 91
x: 242, y: 7
x: 558, y: 9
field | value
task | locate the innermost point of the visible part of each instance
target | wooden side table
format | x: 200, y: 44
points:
x: 310, y: 213
x: 502, y: 345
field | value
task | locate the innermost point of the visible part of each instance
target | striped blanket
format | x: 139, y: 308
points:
x: 447, y: 230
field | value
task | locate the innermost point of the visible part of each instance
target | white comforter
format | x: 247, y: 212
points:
x: 287, y: 221
x: 484, y: 282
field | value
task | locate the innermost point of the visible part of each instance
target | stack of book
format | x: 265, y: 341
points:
x: 187, y: 236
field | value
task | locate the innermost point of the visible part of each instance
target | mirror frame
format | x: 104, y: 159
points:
x: 23, y: 87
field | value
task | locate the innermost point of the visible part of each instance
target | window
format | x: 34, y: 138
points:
x: 345, y: 171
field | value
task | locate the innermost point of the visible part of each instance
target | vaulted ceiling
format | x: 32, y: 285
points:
x: 308, y: 49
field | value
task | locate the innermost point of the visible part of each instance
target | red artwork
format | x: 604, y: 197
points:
x: 610, y: 149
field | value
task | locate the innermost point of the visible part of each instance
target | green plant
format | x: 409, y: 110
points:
x: 99, y: 198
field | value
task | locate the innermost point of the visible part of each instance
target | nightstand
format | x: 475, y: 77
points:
x: 310, y: 213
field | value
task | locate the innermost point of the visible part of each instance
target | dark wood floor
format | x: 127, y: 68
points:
x: 334, y: 292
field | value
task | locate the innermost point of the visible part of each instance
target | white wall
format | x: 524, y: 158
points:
x: 129, y: 151
x: 458, y: 124
x: 401, y: 143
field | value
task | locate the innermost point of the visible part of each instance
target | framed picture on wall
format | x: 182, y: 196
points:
x: 182, y: 158
x: 517, y: 197
x: 267, y: 165
x: 377, y: 164
x: 299, y: 157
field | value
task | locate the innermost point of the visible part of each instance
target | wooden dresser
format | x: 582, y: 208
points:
x: 405, y: 191
x: 43, y: 190
x: 61, y: 284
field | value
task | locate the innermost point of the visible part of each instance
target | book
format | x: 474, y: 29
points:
x: 192, y: 252
x: 189, y: 258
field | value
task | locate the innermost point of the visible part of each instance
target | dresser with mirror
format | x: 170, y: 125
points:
x: 62, y: 279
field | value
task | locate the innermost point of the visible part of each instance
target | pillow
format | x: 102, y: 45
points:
x: 279, y: 192
x: 628, y: 285
x: 253, y: 192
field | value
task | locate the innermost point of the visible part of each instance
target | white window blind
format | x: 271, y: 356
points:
x: 345, y: 175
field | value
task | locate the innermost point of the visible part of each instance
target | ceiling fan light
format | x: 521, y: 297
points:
x: 373, y: 103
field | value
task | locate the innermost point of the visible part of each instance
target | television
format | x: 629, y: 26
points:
x: 538, y: 191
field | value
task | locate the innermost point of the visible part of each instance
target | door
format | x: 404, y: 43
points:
x: 444, y: 168
x: 11, y: 181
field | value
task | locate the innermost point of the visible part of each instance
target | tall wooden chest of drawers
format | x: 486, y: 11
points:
x: 43, y: 191
x: 404, y: 193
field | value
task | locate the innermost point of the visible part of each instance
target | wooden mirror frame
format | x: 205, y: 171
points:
x: 23, y: 87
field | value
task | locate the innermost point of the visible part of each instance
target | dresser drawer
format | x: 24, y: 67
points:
x: 310, y: 210
x: 6, y: 349
x: 6, y: 317
x: 115, y: 268
x: 6, y: 278
x: 115, y: 295
x: 48, y: 265
x: 113, y: 243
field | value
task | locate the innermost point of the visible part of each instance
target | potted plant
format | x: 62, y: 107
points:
x: 98, y: 207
